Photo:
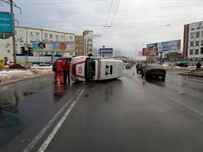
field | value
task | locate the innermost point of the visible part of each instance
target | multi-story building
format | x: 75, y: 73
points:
x: 79, y: 45
x: 24, y: 37
x: 193, y: 41
x: 84, y: 43
x: 88, y: 41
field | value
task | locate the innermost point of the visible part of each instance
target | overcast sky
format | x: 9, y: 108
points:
x: 125, y: 25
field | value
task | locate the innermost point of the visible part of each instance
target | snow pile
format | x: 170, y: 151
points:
x: 197, y: 72
x: 15, y: 75
x: 189, y: 68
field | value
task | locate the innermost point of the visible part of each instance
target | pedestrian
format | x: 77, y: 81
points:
x: 59, y: 70
x: 198, y: 65
x: 54, y: 70
x: 66, y: 72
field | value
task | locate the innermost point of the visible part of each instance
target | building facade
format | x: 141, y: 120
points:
x: 84, y: 43
x: 24, y: 37
x: 79, y: 45
x: 88, y: 41
x: 193, y: 41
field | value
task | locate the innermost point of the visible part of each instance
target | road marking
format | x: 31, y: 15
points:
x: 55, y: 130
x: 194, y: 110
x: 177, y: 101
x: 43, y: 131
x: 185, y: 105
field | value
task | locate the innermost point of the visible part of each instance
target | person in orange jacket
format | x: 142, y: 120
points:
x: 66, y: 71
x: 59, y: 70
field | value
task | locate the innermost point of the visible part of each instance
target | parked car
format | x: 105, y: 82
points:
x: 18, y: 66
x: 154, y: 70
x: 139, y: 67
x: 128, y: 66
x: 44, y: 64
x: 182, y: 64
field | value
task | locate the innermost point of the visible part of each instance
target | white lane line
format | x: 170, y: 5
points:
x: 177, y: 101
x: 43, y: 131
x: 55, y: 130
x: 185, y: 105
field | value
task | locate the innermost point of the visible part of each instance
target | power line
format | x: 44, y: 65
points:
x: 106, y: 20
x: 108, y: 11
x: 78, y: 21
x: 114, y: 14
x: 112, y: 18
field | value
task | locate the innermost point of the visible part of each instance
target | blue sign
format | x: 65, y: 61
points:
x: 6, y: 22
x: 108, y: 51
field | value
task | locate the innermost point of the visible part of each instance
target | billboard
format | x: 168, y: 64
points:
x: 38, y: 46
x: 106, y: 52
x: 6, y: 24
x: 168, y: 46
x: 67, y: 46
x: 53, y: 46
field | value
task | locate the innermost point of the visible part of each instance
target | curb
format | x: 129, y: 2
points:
x: 199, y: 76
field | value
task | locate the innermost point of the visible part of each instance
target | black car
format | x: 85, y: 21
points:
x: 182, y: 64
x: 139, y: 67
x: 154, y: 70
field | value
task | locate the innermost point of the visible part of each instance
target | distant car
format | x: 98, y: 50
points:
x: 128, y: 66
x: 182, y: 64
x: 18, y: 66
x: 139, y: 67
x: 154, y: 70
x: 44, y: 64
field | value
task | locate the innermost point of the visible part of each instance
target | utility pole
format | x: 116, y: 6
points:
x: 13, y: 37
x: 13, y: 22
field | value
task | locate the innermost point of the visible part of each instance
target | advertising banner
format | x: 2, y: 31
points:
x: 67, y: 46
x: 38, y: 46
x: 168, y: 46
x: 106, y: 52
x: 6, y: 25
x: 171, y: 46
x: 60, y: 47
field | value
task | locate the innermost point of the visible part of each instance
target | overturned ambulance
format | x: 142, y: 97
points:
x: 84, y: 68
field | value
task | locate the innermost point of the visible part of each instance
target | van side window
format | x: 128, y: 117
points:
x: 111, y: 69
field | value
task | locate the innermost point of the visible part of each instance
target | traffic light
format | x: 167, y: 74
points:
x: 30, y: 50
x: 22, y: 51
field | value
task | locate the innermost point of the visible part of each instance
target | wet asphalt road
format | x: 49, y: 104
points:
x: 118, y: 115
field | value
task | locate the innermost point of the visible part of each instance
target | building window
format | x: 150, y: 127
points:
x: 71, y: 53
x: 202, y: 34
x: 192, y: 35
x: 8, y: 51
x: 192, y: 43
x: 191, y: 52
x: 196, y: 51
x: 192, y: 29
x: 61, y: 37
x: 45, y: 35
x: 197, y: 43
x: 37, y: 34
x: 31, y: 34
x: 198, y: 28
x: 202, y: 42
x: 51, y: 36
x: 71, y: 37
x: 197, y: 34
x: 57, y: 37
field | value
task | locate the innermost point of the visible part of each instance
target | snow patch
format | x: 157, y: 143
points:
x: 16, y: 75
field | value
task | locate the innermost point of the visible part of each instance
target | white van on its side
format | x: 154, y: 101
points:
x: 88, y: 69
